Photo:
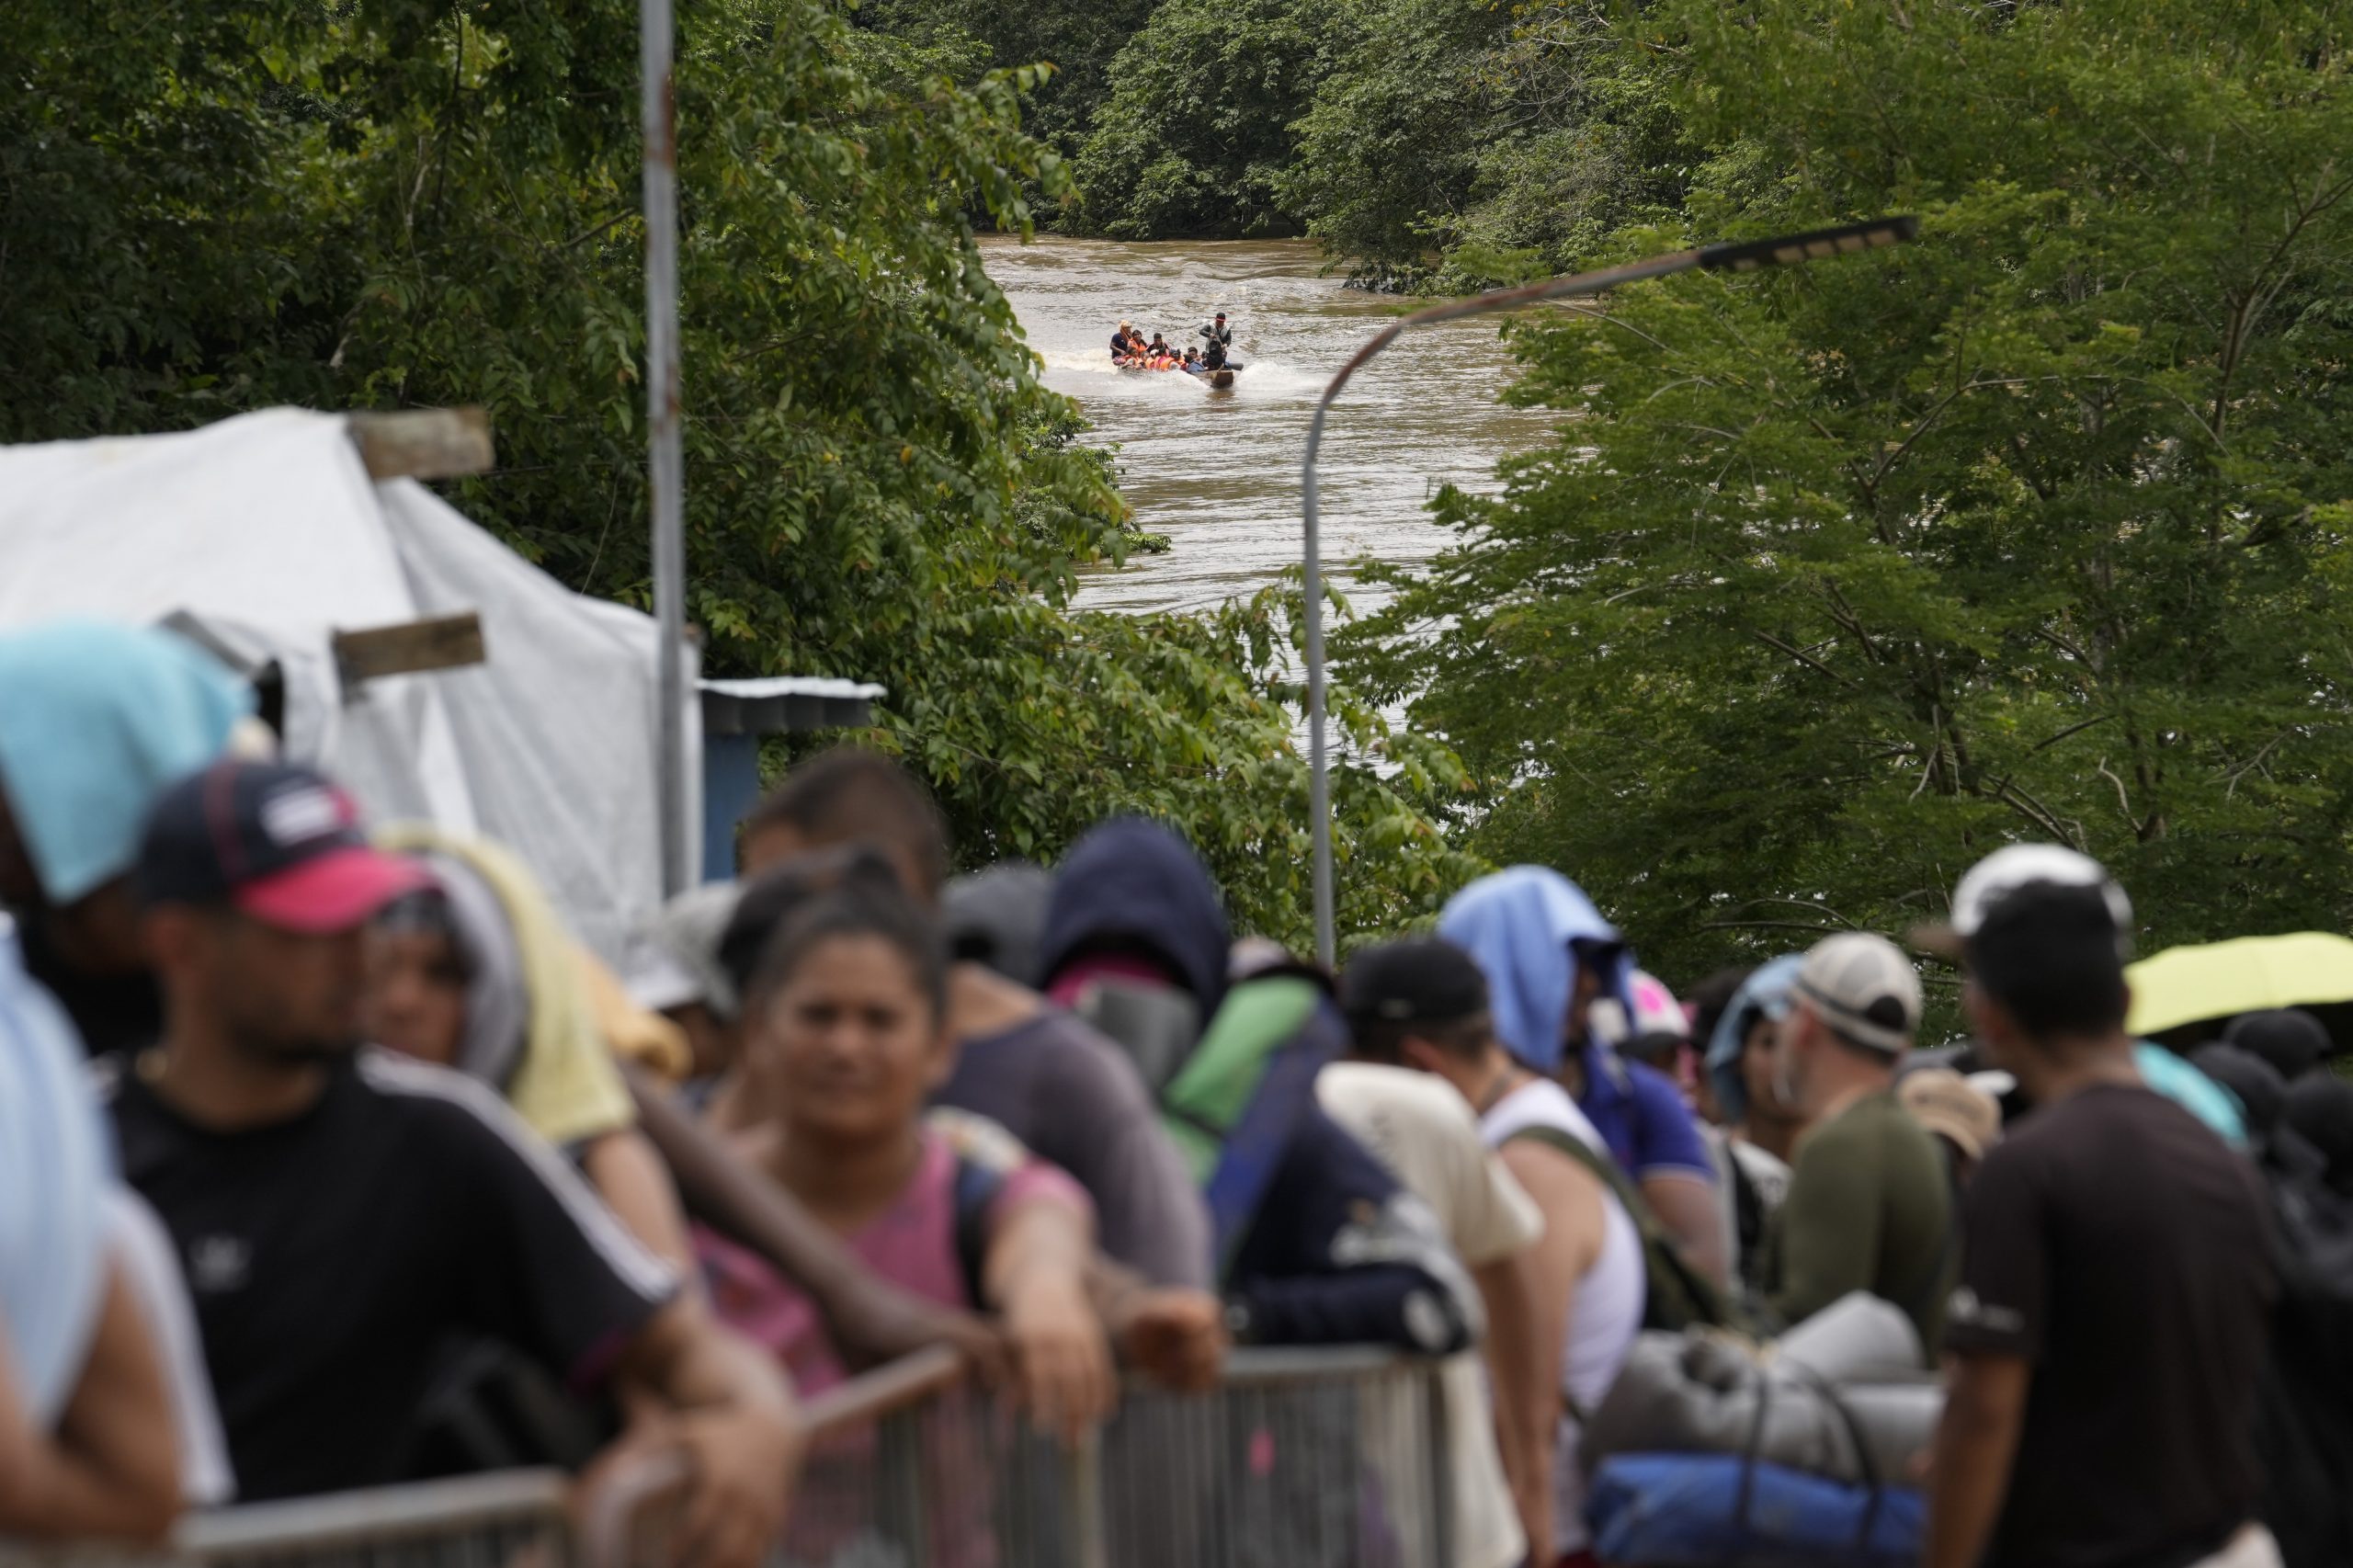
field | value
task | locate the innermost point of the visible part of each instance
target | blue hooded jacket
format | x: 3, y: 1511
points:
x: 1520, y: 924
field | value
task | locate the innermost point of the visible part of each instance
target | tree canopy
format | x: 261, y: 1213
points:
x: 373, y: 203
x: 1838, y: 576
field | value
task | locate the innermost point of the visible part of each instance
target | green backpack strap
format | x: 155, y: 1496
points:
x: 1210, y: 1092
x: 1675, y: 1296
x: 1234, y: 1107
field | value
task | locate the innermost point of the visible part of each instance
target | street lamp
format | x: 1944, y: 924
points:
x: 1748, y: 256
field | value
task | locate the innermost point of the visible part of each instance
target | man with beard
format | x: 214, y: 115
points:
x: 338, y: 1212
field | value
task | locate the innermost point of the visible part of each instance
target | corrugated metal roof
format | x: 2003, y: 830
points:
x: 779, y: 705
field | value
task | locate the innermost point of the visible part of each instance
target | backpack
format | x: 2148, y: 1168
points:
x: 1232, y: 1098
x: 1675, y: 1296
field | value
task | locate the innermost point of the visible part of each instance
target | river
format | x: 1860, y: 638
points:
x: 1218, y: 471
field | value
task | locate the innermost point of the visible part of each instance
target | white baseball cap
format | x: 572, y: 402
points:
x: 2015, y: 866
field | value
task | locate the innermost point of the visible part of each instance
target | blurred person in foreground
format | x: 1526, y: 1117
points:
x: 1055, y: 1084
x: 340, y: 1211
x: 1425, y: 1131
x: 1424, y: 1005
x: 96, y: 721
x: 86, y: 1430
x: 2117, y: 1277
x: 1870, y: 1203
x: 1549, y: 956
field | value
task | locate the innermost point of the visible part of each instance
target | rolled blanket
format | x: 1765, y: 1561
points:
x: 1714, y: 1511
x: 1842, y: 1398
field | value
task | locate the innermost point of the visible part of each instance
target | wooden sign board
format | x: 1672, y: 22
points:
x: 449, y: 642
x: 424, y: 443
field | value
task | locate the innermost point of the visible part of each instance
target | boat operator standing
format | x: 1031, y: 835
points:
x: 1219, y: 338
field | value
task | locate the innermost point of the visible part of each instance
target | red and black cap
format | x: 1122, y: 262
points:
x: 279, y: 844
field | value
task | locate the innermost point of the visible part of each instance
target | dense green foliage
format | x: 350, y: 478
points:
x: 1196, y: 138
x: 205, y: 208
x: 2037, y: 528
x: 1426, y: 142
x: 1464, y: 147
x: 1077, y: 39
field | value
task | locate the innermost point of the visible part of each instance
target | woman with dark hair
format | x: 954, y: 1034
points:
x: 842, y: 1045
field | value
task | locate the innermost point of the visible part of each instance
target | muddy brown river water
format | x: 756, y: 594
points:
x: 1218, y: 471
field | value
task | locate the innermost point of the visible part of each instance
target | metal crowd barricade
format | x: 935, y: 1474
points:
x: 1328, y: 1459
x: 1300, y: 1459
x: 514, y: 1519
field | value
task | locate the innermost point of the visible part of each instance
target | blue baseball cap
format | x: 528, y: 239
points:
x: 279, y: 844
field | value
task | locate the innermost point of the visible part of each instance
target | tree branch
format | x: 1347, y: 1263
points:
x: 1801, y: 657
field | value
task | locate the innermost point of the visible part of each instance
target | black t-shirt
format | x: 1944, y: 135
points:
x: 329, y: 1255
x: 2115, y: 1244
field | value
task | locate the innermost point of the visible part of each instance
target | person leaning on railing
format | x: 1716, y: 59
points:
x: 845, y: 1036
x: 342, y: 1211
x: 1056, y: 1083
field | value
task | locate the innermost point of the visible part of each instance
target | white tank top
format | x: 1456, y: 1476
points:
x: 1608, y: 1311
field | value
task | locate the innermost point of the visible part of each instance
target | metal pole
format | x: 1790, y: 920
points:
x: 1744, y: 256
x: 666, y: 461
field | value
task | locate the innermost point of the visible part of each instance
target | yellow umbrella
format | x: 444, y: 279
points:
x: 2186, y: 985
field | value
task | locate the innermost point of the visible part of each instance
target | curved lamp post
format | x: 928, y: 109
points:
x: 1749, y: 256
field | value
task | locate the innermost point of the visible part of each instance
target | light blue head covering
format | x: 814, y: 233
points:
x: 1768, y: 992
x: 1518, y: 925
x: 95, y: 720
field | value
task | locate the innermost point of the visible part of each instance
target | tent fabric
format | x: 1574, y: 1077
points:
x: 264, y: 536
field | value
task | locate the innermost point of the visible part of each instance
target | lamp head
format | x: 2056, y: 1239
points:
x: 1787, y: 250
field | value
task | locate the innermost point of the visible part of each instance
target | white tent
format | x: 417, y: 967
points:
x: 264, y: 536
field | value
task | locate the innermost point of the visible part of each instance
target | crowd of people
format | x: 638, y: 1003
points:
x: 329, y: 1158
x: 1131, y: 350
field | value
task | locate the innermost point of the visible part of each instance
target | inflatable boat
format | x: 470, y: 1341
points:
x: 1220, y: 377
